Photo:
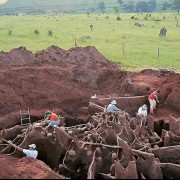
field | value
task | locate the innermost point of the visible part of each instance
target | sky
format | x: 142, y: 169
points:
x: 2, y: 2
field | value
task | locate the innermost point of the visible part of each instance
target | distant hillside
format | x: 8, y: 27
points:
x: 16, y: 7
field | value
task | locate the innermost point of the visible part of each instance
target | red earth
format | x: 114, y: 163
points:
x: 63, y: 81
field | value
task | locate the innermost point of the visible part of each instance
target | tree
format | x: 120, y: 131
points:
x: 176, y: 5
x: 129, y: 7
x: 166, y: 5
x: 101, y: 6
x: 116, y: 9
x: 120, y: 2
x: 91, y: 10
x: 152, y: 5
x: 91, y: 26
x: 142, y: 6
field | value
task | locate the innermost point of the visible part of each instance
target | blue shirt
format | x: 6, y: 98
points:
x: 112, y: 107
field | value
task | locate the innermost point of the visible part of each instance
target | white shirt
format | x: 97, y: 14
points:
x: 30, y: 153
x: 142, y: 111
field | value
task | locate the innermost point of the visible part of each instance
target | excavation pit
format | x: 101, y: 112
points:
x: 92, y: 143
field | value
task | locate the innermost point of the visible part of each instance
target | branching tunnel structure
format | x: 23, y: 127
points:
x: 109, y: 145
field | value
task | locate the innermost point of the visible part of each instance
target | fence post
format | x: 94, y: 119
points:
x: 123, y: 49
x: 158, y: 51
x: 75, y: 43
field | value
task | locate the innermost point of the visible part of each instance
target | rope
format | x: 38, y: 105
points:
x: 95, y: 105
x: 124, y: 97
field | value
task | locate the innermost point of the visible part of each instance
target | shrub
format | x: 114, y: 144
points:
x: 118, y: 18
x: 10, y: 32
x: 36, y: 32
x: 50, y: 33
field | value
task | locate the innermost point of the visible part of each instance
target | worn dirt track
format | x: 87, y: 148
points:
x: 64, y: 80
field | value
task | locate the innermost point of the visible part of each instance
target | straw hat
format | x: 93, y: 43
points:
x: 113, y: 102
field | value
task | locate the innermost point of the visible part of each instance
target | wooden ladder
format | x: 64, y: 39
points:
x: 25, y: 117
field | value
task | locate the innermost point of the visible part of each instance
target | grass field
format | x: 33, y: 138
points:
x: 120, y: 41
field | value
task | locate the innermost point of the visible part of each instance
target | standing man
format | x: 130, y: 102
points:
x: 153, y: 97
x: 31, y: 152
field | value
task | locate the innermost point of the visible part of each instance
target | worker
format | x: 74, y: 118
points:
x: 112, y: 106
x: 94, y: 97
x: 31, y: 152
x: 153, y: 98
x: 142, y: 111
x: 52, y: 118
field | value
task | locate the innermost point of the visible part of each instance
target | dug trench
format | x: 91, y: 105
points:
x: 64, y: 81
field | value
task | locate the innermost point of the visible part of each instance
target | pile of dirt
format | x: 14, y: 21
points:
x: 64, y: 80
x: 54, y: 79
x: 25, y: 168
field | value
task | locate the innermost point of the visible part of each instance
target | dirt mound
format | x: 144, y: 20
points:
x: 65, y: 79
x: 169, y: 86
x: 88, y: 57
x: 46, y: 80
x: 25, y: 169
x: 17, y: 57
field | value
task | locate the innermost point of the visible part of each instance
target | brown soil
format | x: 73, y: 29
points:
x: 13, y: 168
x: 63, y: 81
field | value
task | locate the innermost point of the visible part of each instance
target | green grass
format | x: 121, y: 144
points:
x: 108, y: 36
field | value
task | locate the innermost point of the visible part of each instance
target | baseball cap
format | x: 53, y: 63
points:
x: 32, y: 146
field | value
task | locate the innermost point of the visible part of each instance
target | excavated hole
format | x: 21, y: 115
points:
x: 53, y: 156
x: 47, y: 151
x: 34, y: 119
x: 160, y: 125
x: 73, y: 121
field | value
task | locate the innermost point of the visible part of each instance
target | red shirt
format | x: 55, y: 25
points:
x: 53, y: 117
x: 152, y: 96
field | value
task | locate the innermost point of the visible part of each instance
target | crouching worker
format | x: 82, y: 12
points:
x: 142, y: 111
x: 31, y: 152
x: 112, y: 106
x: 52, y: 118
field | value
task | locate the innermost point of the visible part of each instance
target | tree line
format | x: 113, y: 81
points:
x: 129, y: 6
x: 142, y: 6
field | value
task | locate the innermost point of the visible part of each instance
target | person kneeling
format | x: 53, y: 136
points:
x: 52, y: 118
x: 31, y: 152
x: 112, y: 106
x: 142, y: 111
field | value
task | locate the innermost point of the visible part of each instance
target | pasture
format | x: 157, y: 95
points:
x: 134, y: 47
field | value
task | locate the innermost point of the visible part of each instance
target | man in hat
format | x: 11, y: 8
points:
x: 142, y: 111
x: 31, y: 152
x: 112, y: 106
